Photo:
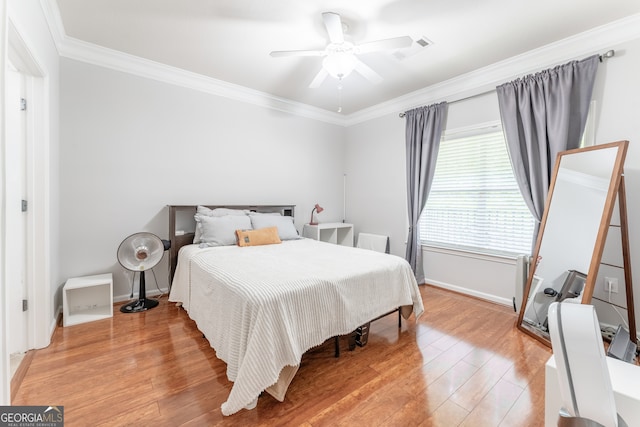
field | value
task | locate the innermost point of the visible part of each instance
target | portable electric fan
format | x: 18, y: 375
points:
x: 140, y: 252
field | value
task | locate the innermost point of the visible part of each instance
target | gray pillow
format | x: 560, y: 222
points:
x: 286, y: 229
x: 220, y: 231
x: 204, y: 211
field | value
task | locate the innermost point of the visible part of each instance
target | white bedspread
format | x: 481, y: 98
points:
x: 262, y: 307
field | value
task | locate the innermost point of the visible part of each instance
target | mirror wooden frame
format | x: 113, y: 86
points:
x: 616, y: 191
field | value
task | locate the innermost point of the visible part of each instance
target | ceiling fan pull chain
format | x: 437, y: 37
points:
x: 340, y: 96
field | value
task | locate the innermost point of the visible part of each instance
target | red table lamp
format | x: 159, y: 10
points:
x: 316, y: 208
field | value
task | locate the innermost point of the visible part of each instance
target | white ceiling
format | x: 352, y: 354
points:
x: 230, y: 40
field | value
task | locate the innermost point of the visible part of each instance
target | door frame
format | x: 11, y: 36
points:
x: 41, y: 323
x: 16, y: 188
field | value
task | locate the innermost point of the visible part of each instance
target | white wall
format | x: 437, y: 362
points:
x: 130, y: 146
x: 375, y: 165
x: 617, y: 93
x: 375, y: 153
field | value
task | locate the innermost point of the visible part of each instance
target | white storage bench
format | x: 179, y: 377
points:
x: 88, y: 298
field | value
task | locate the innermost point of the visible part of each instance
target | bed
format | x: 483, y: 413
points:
x: 262, y: 307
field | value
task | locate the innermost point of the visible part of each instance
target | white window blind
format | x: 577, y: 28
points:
x: 474, y: 203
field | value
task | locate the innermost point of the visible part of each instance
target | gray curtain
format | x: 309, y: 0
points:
x: 543, y: 114
x: 423, y: 132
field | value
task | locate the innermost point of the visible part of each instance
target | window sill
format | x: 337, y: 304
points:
x: 503, y: 259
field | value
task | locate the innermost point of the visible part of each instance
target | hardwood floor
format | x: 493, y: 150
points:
x: 462, y: 364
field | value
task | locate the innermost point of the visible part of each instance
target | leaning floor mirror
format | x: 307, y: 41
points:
x: 584, y: 188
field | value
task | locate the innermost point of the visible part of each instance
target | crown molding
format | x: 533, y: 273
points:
x: 594, y: 41
x: 54, y: 21
x: 473, y: 83
x: 119, y: 61
x: 90, y: 53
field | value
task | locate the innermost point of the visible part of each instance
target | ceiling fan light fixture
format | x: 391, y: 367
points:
x: 339, y: 64
x: 340, y: 55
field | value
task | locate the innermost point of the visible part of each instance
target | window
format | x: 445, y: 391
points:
x: 475, y: 203
x: 589, y: 134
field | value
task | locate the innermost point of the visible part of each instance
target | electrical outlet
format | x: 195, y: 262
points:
x: 608, y: 334
x: 611, y: 284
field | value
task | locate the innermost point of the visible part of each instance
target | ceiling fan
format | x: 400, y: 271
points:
x: 340, y: 56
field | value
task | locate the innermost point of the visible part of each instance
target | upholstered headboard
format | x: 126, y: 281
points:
x: 182, y: 225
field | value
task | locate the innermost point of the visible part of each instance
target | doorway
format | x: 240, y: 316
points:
x: 29, y: 266
x: 16, y: 220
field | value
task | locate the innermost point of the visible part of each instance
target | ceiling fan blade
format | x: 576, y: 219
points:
x: 334, y: 27
x: 279, y: 53
x: 319, y: 78
x: 385, y: 44
x: 368, y: 73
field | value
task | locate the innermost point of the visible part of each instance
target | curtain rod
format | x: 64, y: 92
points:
x: 608, y: 54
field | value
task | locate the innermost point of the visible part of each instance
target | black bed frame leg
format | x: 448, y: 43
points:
x: 352, y: 336
x: 352, y: 340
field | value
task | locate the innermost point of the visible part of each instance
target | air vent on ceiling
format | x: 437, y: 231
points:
x: 416, y: 47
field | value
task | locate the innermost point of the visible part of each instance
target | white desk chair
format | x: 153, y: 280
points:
x: 583, y: 375
x: 374, y: 242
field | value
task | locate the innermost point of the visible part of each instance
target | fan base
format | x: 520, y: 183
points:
x: 139, y: 305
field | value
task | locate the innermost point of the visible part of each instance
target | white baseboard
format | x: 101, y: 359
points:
x: 466, y: 291
x: 54, y: 323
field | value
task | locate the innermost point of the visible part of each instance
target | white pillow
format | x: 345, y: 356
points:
x: 286, y: 229
x: 217, y: 212
x: 221, y: 211
x: 220, y: 231
x: 265, y: 213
